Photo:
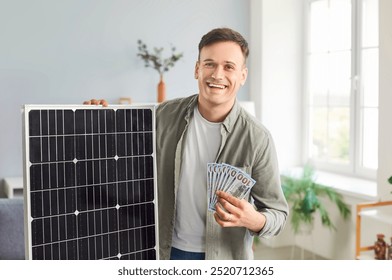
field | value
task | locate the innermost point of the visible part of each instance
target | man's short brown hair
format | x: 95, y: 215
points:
x: 223, y: 35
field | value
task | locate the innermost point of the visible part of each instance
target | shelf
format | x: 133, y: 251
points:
x: 374, y: 210
x: 366, y: 256
x: 382, y: 215
x: 13, y: 187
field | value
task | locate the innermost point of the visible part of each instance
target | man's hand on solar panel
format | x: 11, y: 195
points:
x: 233, y: 212
x: 102, y: 102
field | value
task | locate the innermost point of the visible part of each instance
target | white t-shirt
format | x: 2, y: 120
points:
x: 201, y: 147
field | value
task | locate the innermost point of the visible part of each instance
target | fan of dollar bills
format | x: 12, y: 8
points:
x: 227, y: 178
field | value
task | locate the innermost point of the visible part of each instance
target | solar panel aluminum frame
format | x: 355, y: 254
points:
x: 26, y: 109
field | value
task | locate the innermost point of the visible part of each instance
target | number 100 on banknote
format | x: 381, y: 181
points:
x: 227, y: 178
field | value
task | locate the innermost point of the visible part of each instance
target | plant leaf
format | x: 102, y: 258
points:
x: 310, y: 201
x: 304, y: 196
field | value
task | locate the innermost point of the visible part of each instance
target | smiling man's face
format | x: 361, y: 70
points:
x: 220, y: 72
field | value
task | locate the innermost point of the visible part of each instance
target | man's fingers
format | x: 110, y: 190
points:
x: 102, y: 102
x: 226, y: 206
x: 233, y: 200
x: 224, y: 221
x: 225, y: 211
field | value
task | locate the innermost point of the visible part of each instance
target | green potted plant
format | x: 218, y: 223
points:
x: 154, y: 59
x: 390, y: 181
x: 304, y: 195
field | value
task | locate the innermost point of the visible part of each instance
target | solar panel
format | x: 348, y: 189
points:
x: 90, y: 182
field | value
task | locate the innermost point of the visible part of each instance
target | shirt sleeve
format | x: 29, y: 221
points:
x: 267, y: 193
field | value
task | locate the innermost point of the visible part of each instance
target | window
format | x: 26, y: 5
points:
x: 342, y: 85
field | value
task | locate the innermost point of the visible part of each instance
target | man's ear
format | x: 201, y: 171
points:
x: 197, y: 70
x: 244, y: 75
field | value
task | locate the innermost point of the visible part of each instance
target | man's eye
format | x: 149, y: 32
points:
x: 209, y: 65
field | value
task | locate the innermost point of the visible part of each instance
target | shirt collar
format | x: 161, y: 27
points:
x: 228, y: 122
x: 231, y: 118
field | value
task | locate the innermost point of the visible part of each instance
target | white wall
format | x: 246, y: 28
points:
x: 277, y: 36
x: 65, y: 52
x: 385, y: 101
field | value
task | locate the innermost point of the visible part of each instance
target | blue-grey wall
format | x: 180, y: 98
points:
x: 64, y: 52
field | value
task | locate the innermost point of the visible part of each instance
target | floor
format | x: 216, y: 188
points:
x: 263, y: 252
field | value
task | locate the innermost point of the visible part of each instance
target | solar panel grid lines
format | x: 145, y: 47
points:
x: 90, y: 182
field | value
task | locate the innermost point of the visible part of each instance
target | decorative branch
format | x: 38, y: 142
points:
x: 155, y: 60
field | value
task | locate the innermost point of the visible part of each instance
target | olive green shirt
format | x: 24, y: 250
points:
x: 246, y: 144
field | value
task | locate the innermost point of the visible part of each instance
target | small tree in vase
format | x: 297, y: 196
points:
x: 155, y: 60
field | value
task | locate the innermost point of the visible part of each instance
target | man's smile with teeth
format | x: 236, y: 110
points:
x: 216, y: 85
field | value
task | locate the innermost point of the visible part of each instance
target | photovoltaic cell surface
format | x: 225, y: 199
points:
x: 90, y: 188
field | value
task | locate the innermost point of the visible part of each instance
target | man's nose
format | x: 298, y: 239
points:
x: 218, y: 73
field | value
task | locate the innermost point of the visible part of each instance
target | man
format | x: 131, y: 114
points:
x: 212, y: 127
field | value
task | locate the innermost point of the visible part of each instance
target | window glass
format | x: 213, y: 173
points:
x: 342, y: 83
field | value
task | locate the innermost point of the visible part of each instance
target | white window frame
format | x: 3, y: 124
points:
x: 354, y: 168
